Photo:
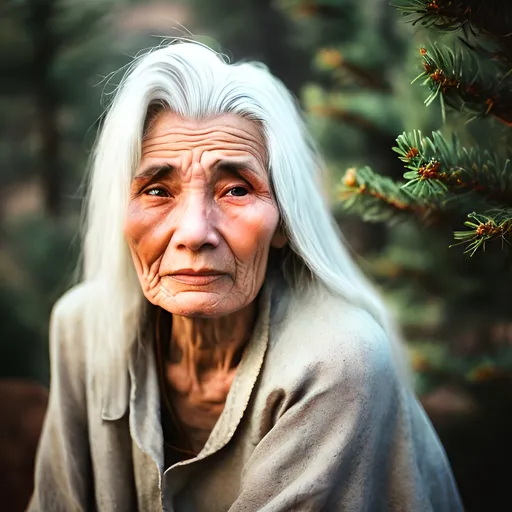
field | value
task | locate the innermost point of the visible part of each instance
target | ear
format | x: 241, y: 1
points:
x: 279, y: 239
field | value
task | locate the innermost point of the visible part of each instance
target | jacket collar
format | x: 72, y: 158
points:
x: 115, y: 392
x: 244, y: 381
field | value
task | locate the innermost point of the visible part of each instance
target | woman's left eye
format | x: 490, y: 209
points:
x: 238, y: 191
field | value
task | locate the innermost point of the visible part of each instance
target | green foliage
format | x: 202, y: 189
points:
x: 378, y: 198
x: 495, y: 225
x: 437, y: 167
x: 434, y: 365
x: 467, y: 81
x: 37, y: 265
x: 22, y: 355
x: 443, y: 175
x: 474, y: 16
x: 366, y: 109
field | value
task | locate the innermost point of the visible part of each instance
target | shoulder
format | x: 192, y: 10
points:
x: 78, y: 355
x: 67, y: 327
x: 70, y: 313
x: 341, y: 344
x: 68, y: 350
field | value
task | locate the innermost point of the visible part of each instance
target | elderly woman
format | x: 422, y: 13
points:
x: 223, y: 351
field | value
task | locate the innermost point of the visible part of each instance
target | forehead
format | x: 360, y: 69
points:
x: 169, y: 132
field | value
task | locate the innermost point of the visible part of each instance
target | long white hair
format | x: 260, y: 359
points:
x: 195, y: 82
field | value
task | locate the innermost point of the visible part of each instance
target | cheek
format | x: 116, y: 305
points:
x: 250, y: 234
x: 143, y: 231
x: 133, y: 228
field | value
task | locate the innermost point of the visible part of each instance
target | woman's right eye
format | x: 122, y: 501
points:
x: 156, y: 192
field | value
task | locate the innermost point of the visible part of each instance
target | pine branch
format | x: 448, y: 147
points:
x: 465, y: 84
x: 484, y: 228
x: 436, y: 179
x: 350, y: 118
x: 442, y: 172
x: 377, y: 198
x: 489, y: 22
x: 492, y: 18
x: 497, y: 52
x: 438, y: 167
x: 333, y: 60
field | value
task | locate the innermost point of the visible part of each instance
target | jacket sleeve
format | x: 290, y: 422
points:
x: 63, y: 476
x: 343, y: 441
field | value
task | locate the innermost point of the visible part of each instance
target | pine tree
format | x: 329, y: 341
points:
x: 459, y: 178
x: 445, y: 258
x: 474, y: 79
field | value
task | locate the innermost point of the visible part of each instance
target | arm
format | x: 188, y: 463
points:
x: 337, y: 445
x: 63, y: 477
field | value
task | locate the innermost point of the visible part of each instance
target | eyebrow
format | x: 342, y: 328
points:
x: 154, y: 172
x: 236, y: 166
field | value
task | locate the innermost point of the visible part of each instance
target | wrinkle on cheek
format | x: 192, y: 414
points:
x: 137, y: 262
x: 150, y: 234
x: 153, y: 275
x: 132, y: 230
x: 258, y: 224
x: 259, y: 267
x: 250, y: 274
x: 146, y: 243
x: 150, y: 280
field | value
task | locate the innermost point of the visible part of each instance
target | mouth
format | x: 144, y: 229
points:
x: 196, y: 277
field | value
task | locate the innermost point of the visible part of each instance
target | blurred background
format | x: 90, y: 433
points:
x: 350, y: 63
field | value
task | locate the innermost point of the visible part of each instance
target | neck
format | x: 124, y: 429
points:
x: 205, y: 345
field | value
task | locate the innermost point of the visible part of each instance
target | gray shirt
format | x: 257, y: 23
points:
x: 315, y: 420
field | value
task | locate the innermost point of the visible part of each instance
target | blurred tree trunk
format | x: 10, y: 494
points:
x: 45, y: 47
x: 288, y: 63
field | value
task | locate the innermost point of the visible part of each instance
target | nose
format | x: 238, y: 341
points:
x: 194, y: 228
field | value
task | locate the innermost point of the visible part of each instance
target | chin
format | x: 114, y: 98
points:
x: 198, y: 304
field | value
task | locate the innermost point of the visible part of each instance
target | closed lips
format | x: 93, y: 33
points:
x: 192, y: 272
x: 199, y: 278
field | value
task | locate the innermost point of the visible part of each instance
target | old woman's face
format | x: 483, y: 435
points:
x: 201, y: 219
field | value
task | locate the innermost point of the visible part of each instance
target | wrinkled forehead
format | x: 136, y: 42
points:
x: 168, y: 131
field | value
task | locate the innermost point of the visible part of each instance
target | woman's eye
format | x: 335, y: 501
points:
x: 156, y: 192
x: 238, y: 192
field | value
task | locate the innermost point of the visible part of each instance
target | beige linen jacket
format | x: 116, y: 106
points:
x: 316, y: 420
